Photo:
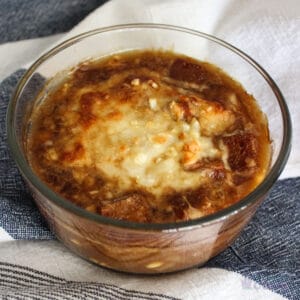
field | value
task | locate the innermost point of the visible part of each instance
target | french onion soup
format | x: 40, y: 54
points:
x: 149, y: 136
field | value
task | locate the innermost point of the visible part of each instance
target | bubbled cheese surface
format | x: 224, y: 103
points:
x: 149, y: 137
x: 140, y: 141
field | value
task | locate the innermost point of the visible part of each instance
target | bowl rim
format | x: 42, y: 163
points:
x: 251, y: 198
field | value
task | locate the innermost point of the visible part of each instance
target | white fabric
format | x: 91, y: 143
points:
x: 205, y: 283
x: 4, y: 236
x: 16, y: 54
x: 266, y: 30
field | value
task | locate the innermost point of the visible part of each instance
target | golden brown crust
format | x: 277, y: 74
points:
x: 242, y: 151
x: 184, y: 70
x: 150, y: 137
x: 133, y: 207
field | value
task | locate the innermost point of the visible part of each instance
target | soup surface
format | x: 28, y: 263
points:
x: 149, y: 136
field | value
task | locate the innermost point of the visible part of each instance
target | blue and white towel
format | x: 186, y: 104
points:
x: 263, y: 263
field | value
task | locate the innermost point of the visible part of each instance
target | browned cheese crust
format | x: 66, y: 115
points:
x: 151, y: 137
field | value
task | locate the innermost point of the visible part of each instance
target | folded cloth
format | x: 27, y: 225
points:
x: 263, y: 263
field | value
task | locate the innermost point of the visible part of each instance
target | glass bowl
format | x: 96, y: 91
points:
x: 137, y: 247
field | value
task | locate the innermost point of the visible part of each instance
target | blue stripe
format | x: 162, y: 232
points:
x: 26, y: 280
x: 21, y: 20
x: 268, y: 249
x: 19, y: 216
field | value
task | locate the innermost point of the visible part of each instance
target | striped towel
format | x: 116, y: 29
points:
x: 263, y: 263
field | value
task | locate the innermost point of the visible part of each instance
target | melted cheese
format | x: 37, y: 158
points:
x: 149, y: 137
x: 139, y: 142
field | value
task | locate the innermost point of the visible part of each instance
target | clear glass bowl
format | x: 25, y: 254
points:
x: 136, y: 247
